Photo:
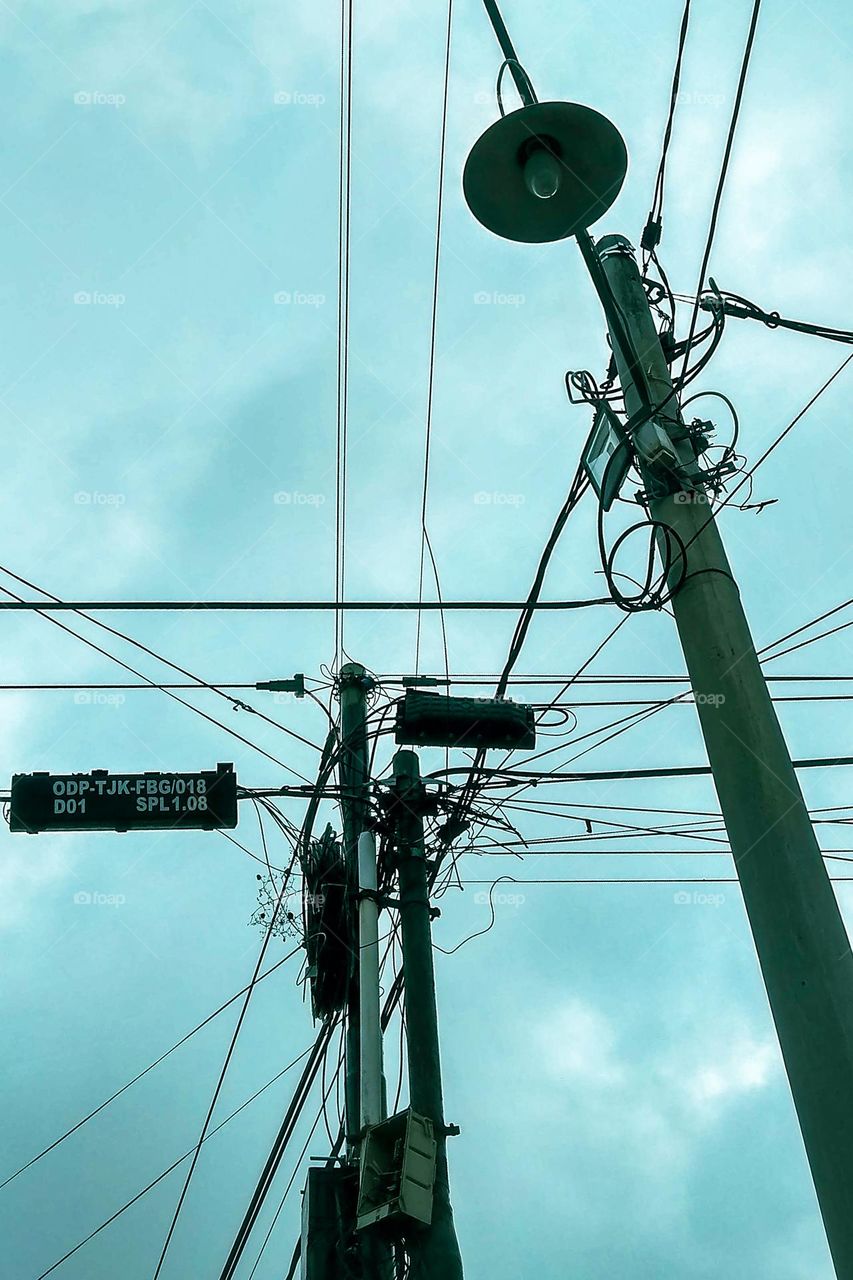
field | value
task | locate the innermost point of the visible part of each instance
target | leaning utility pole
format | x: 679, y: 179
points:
x: 434, y: 1250
x: 799, y: 934
x: 547, y: 172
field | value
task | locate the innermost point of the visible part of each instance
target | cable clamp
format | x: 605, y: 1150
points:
x: 373, y: 895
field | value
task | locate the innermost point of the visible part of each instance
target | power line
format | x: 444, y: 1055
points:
x: 654, y: 222
x: 183, y: 1040
x: 159, y: 658
x: 279, y: 1146
x: 326, y: 764
x: 54, y: 605
x: 805, y: 626
x: 174, y: 1165
x: 724, y: 168
x: 342, y: 393
x: 297, y: 1166
x: 510, y: 777
x: 747, y: 476
x: 632, y: 880
x: 613, y: 702
x: 426, y: 544
x: 489, y: 678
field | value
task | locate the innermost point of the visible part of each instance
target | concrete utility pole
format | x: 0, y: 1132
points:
x: 354, y: 685
x: 802, y: 944
x: 434, y: 1250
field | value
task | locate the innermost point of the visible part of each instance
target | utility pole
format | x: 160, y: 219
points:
x: 799, y: 934
x: 522, y: 182
x: 434, y: 1250
x: 354, y: 685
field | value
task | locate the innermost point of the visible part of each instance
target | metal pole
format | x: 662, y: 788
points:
x: 371, y: 1110
x: 799, y: 935
x: 435, y: 1250
x: 354, y: 685
x: 522, y: 84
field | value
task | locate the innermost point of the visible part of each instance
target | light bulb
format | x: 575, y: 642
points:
x: 542, y: 173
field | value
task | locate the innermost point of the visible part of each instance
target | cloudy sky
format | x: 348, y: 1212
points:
x: 169, y: 242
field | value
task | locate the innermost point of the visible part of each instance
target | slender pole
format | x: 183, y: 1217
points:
x: 799, y: 935
x: 371, y: 1110
x: 434, y: 1251
x: 354, y: 685
x: 522, y: 83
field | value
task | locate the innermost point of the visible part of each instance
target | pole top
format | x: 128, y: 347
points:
x: 615, y: 243
x: 406, y: 765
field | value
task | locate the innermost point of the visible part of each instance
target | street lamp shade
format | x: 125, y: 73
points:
x: 545, y: 172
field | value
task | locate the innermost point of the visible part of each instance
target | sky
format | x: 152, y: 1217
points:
x: 169, y: 243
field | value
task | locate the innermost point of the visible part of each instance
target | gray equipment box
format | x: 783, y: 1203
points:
x: 397, y: 1172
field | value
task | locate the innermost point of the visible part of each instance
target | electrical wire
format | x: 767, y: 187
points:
x: 342, y: 391
x: 174, y: 1165
x: 327, y: 762
x: 654, y: 222
x: 721, y: 182
x: 426, y: 544
x: 298, y: 1165
x: 163, y: 1056
x: 153, y: 683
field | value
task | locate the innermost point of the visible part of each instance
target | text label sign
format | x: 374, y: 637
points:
x: 102, y: 801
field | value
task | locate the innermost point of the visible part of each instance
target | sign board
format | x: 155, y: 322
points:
x: 103, y: 801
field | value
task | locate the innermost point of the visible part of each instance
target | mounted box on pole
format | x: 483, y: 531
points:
x: 436, y: 720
